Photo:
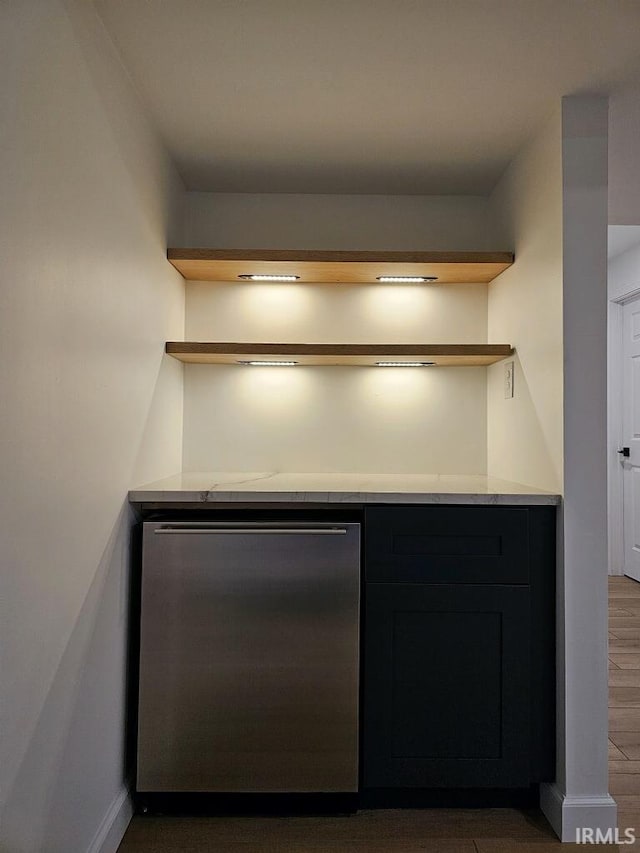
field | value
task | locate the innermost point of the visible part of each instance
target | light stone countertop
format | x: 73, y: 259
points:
x: 272, y: 487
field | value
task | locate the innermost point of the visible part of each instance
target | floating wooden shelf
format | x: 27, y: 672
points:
x: 339, y: 267
x: 463, y: 355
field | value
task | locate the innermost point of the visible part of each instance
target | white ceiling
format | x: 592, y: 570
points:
x: 363, y: 96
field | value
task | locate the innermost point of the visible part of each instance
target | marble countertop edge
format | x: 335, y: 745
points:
x: 274, y: 487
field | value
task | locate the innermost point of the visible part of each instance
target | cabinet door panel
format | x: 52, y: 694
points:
x: 446, y: 686
x: 447, y: 544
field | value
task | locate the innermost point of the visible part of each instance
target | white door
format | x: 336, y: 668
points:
x: 631, y: 438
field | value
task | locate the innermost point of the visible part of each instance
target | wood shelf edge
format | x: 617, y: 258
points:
x: 338, y: 267
x: 335, y: 354
x: 339, y: 256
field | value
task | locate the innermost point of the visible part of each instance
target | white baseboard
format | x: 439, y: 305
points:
x: 114, y: 824
x: 567, y: 814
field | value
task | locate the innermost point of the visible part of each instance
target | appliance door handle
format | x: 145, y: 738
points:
x: 252, y: 531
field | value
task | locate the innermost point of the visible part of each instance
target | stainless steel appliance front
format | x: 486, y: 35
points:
x: 249, y: 657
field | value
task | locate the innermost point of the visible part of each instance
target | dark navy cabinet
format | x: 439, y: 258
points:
x: 458, y: 647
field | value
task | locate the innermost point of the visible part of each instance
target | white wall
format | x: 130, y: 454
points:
x: 290, y: 221
x: 624, y: 270
x: 337, y: 419
x: 90, y: 407
x: 552, y: 305
x: 624, y: 175
x: 525, y: 308
x: 343, y: 419
x: 580, y: 796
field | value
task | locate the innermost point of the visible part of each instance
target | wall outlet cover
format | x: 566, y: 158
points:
x: 508, y: 380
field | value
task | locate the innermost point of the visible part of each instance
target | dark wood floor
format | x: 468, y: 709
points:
x: 379, y: 831
x: 436, y: 830
x: 624, y: 699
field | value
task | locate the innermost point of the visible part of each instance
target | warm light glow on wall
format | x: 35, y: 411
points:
x: 278, y: 307
x: 396, y: 306
x: 392, y: 395
x: 273, y: 393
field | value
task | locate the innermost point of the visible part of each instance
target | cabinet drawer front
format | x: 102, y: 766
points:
x: 440, y: 544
